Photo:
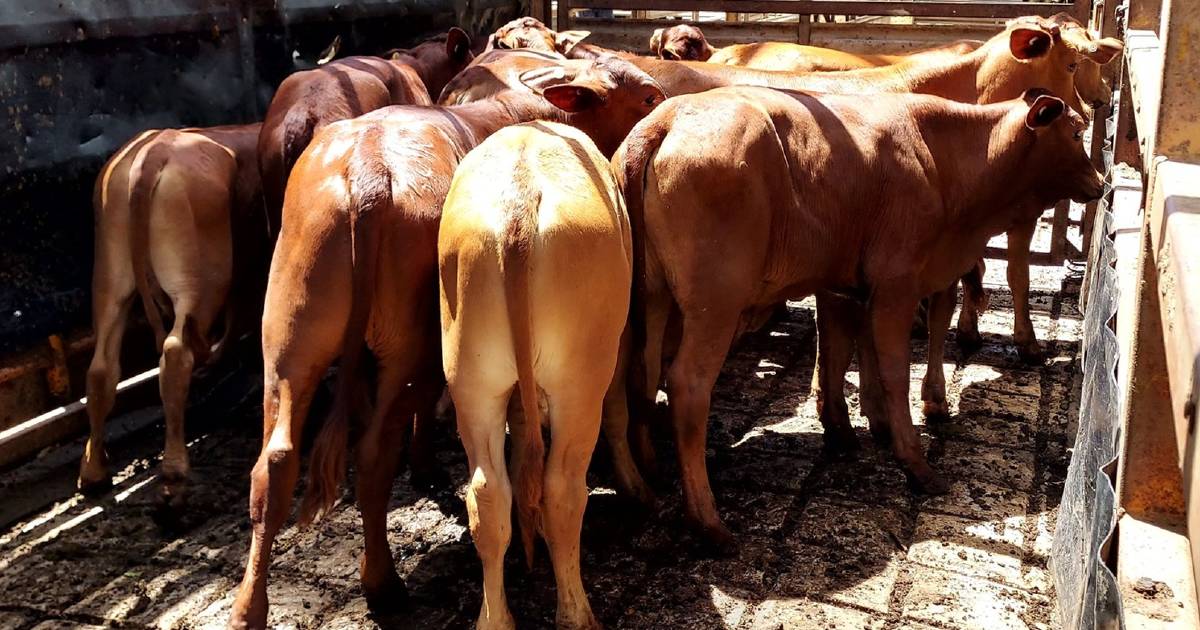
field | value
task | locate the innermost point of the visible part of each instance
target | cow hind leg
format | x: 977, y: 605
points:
x: 110, y: 319
x: 489, y: 496
x: 272, y: 482
x: 1019, y: 239
x: 890, y: 316
x: 693, y: 372
x: 174, y: 380
x: 645, y: 376
x: 425, y: 472
x: 379, y: 453
x: 933, y: 387
x: 615, y: 423
x: 574, y: 426
x: 968, y: 338
x: 836, y: 321
x: 870, y: 392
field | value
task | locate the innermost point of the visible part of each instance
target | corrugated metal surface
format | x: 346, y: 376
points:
x: 78, y: 79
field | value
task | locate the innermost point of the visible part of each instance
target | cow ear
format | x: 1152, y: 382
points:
x: 656, y: 42
x: 572, y: 97
x: 458, y: 44
x: 1045, y: 109
x: 1029, y: 42
x: 566, y: 40
x: 539, y: 79
x: 1106, y: 50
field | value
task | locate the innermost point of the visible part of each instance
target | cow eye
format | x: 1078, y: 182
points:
x: 650, y: 100
x: 1079, y: 135
x: 1072, y: 67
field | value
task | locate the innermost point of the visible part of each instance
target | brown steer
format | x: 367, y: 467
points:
x: 529, y: 33
x: 177, y: 211
x: 534, y: 254
x: 682, y: 42
x: 356, y: 269
x: 884, y: 199
x: 1093, y: 92
x: 307, y: 101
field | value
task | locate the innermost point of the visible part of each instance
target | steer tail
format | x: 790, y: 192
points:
x: 972, y: 283
x: 298, y: 128
x: 632, y: 162
x: 327, y: 463
x: 143, y: 180
x: 528, y: 449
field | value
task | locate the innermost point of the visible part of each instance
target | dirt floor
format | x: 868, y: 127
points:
x: 824, y: 544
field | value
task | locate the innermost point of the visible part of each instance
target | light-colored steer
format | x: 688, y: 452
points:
x: 534, y: 254
x: 180, y: 224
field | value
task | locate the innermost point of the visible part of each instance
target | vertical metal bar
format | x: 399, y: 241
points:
x: 242, y: 16
x: 1058, y: 232
x: 564, y: 15
x: 804, y: 29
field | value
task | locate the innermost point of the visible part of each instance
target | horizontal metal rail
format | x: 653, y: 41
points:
x: 834, y: 7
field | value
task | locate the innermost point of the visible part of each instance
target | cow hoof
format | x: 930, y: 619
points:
x: 929, y: 483
x: 841, y: 445
x: 936, y: 411
x: 94, y: 487
x: 172, y: 503
x: 1031, y: 353
x: 389, y: 595
x: 584, y: 622
x: 969, y: 342
x: 717, y: 541
x: 247, y: 615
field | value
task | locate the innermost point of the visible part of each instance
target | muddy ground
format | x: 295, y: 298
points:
x: 825, y: 544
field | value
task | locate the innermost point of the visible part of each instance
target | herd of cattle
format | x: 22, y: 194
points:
x: 554, y: 231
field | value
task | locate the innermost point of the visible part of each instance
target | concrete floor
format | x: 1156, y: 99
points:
x: 824, y: 543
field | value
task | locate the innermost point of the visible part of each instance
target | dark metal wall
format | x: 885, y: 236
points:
x: 79, y: 78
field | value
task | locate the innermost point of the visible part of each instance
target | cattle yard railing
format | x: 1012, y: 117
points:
x: 1152, y: 227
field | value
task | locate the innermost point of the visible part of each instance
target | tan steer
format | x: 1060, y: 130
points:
x: 177, y: 211
x: 535, y: 257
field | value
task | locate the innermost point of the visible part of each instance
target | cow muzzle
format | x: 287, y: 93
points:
x: 1091, y: 189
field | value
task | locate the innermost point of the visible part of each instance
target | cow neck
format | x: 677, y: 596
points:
x: 980, y: 161
x: 510, y: 107
x: 424, y: 59
x: 523, y: 107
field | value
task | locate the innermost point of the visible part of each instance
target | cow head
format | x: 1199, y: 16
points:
x: 529, y: 33
x: 1055, y: 158
x: 682, y: 42
x: 1029, y: 53
x: 1092, y: 52
x: 440, y: 59
x: 604, y: 98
